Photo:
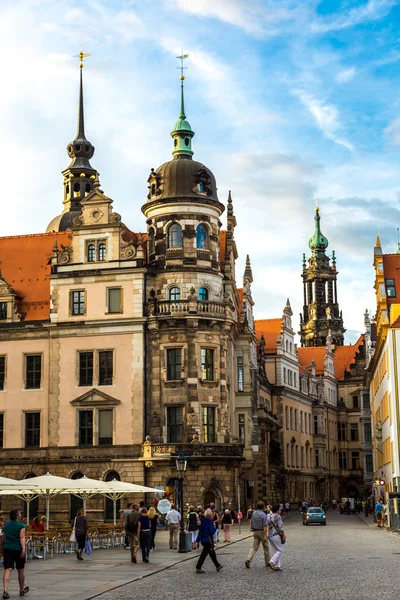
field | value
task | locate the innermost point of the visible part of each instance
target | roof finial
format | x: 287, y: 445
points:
x: 230, y: 205
x: 81, y: 118
x: 248, y: 273
x: 182, y: 132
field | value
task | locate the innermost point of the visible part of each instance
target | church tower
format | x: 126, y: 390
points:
x: 191, y: 314
x: 321, y: 312
x: 79, y: 176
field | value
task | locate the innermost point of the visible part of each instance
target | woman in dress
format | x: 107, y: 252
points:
x: 153, y: 525
x: 81, y: 532
x: 276, y: 537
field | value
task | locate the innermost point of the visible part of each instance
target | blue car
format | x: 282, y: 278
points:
x: 314, y: 515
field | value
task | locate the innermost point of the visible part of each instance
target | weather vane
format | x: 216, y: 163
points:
x: 182, y: 57
x: 81, y: 56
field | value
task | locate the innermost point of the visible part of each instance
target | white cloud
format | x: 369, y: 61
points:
x: 393, y: 132
x: 253, y: 16
x: 326, y: 117
x: 346, y: 75
x: 372, y: 10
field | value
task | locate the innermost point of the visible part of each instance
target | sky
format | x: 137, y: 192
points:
x: 293, y: 102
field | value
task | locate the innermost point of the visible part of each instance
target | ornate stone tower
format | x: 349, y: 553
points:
x: 191, y: 315
x: 79, y: 177
x: 321, y: 309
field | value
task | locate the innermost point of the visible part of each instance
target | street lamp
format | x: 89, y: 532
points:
x: 181, y: 464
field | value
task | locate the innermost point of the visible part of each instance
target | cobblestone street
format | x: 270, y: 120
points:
x: 346, y: 559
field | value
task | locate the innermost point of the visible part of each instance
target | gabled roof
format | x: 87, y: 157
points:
x: 24, y: 266
x: 271, y: 329
x: 343, y: 358
x: 314, y: 353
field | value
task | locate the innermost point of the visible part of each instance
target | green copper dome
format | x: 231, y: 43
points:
x: 318, y: 243
x: 182, y: 133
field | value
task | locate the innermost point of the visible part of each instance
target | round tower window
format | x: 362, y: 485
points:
x: 186, y: 141
x: 175, y: 142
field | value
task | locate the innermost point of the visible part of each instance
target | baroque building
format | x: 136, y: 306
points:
x: 120, y: 350
x: 321, y: 446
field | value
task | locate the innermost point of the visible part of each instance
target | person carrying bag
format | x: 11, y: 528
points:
x: 205, y: 537
x: 72, y: 537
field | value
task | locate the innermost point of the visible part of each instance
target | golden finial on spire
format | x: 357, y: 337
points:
x: 316, y: 206
x: 81, y: 56
x: 182, y: 57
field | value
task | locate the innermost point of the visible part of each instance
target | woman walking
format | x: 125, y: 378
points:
x: 276, y: 537
x: 81, y: 532
x: 205, y: 537
x: 14, y: 552
x: 227, y: 525
x: 144, y: 534
x: 193, y: 525
x: 153, y: 525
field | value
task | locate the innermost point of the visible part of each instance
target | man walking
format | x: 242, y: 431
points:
x: 259, y: 525
x: 173, y: 519
x: 131, y: 529
x: 125, y: 514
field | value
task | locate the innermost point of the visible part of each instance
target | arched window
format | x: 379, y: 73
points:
x: 152, y: 247
x: 109, y: 505
x: 175, y: 236
x: 201, y: 237
x: 102, y: 251
x: 203, y: 294
x: 174, y: 294
x: 91, y: 253
x: 75, y: 502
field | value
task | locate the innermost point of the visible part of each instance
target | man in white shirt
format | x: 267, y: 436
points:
x: 173, y: 519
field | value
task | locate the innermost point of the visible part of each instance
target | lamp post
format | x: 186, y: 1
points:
x: 181, y: 464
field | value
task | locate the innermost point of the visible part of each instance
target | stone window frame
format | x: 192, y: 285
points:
x: 180, y: 405
x: 4, y: 388
x: 24, y: 367
x: 121, y: 300
x: 95, y: 241
x: 95, y: 432
x: 208, y: 232
x: 167, y: 228
x: 70, y: 294
x: 96, y: 367
x: 217, y: 359
x: 163, y: 351
x: 31, y: 411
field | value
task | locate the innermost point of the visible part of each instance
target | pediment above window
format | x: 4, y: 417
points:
x: 95, y: 398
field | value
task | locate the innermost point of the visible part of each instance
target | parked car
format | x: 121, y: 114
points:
x: 314, y: 515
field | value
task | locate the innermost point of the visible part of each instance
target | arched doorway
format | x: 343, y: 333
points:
x: 109, y: 504
x: 34, y: 504
x: 75, y: 503
x: 214, y: 495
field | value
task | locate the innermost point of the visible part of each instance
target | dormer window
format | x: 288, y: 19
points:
x: 3, y: 311
x: 175, y: 236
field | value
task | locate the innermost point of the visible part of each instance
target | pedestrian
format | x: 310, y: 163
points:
x: 193, y: 525
x: 378, y: 513
x: 126, y: 512
x: 276, y: 537
x: 287, y: 507
x: 153, y: 525
x: 334, y: 504
x: 173, y: 519
x: 226, y: 522
x: 43, y: 519
x: 144, y: 534
x: 233, y: 515
x: 366, y: 507
x: 14, y: 552
x: 249, y: 515
x: 37, y: 525
x: 259, y: 523
x: 131, y: 529
x: 81, y: 532
x: 205, y: 537
x: 141, y: 506
x: 216, y: 519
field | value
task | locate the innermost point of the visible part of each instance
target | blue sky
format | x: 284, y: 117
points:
x: 292, y: 102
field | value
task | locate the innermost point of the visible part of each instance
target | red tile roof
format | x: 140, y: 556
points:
x: 271, y: 329
x: 24, y: 266
x: 344, y: 357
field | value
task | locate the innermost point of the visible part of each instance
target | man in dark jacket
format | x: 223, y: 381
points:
x: 131, y: 531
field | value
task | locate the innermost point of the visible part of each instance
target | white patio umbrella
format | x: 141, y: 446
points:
x: 117, y: 489
x: 13, y: 487
x: 86, y: 488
